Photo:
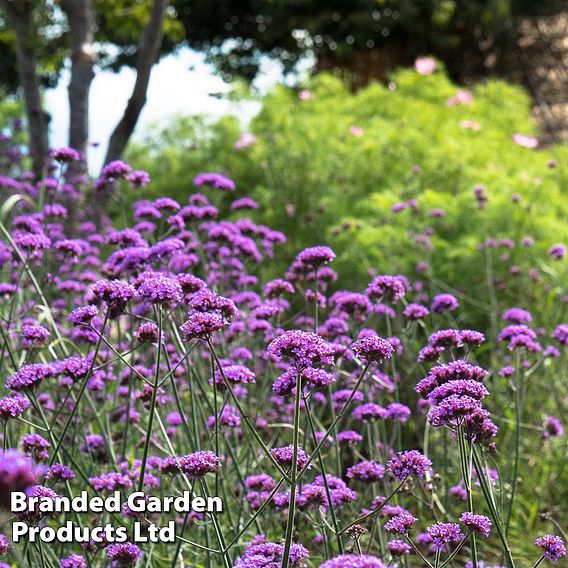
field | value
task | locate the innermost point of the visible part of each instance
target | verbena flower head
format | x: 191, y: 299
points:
x: 416, y: 311
x: 12, y: 407
x: 285, y: 457
x: 387, y: 288
x: 373, y: 349
x: 552, y: 427
x: 444, y: 533
x: 561, y: 334
x: 65, y: 155
x: 201, y: 325
x: 269, y: 554
x: 400, y: 524
x: 553, y: 546
x: 444, y: 303
x: 399, y: 547
x: 367, y: 471
x: 354, y: 561
x: 199, y: 463
x: 83, y: 315
x: 517, y: 315
x: 123, y: 554
x: 159, y: 289
x: 316, y: 256
x: 303, y: 348
x: 73, y: 561
x: 410, y: 462
x: 16, y: 474
x: 218, y: 181
x: 30, y: 376
x: 477, y: 523
x: 557, y: 252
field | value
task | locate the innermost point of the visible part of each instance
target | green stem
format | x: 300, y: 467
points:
x: 293, y: 480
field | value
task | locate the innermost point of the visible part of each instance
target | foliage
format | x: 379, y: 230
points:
x: 350, y: 33
x: 318, y: 182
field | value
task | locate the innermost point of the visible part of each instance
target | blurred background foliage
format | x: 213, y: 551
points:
x: 320, y: 181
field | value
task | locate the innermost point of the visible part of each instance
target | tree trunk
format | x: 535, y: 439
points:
x: 80, y: 19
x: 19, y: 15
x: 148, y: 50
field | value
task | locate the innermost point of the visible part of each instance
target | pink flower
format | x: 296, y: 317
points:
x: 245, y: 140
x: 460, y: 98
x: 305, y: 95
x: 470, y: 125
x: 525, y: 141
x: 356, y: 131
x: 425, y: 65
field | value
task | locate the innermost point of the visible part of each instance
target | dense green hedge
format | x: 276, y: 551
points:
x: 319, y: 183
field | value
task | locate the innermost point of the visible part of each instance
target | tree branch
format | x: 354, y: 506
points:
x: 148, y: 50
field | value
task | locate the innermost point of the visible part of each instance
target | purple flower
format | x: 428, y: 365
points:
x: 561, y: 334
x: 349, y: 437
x: 83, y: 315
x: 444, y: 303
x: 124, y: 554
x: 278, y: 287
x: 65, y: 155
x: 110, y: 482
x: 516, y: 315
x: 410, y: 462
x: 244, y: 203
x: 552, y: 545
x: 400, y: 524
x: 267, y: 554
x: 201, y: 325
x: 30, y: 376
x: 354, y: 561
x: 115, y: 170
x: 557, y: 252
x: 398, y: 547
x: 316, y: 256
x: 369, y: 411
x: 218, y: 181
x: 477, y: 523
x: 4, y: 544
x: 199, y: 463
x: 373, y: 349
x: 444, y: 533
x: 399, y: 412
x: 367, y: 471
x: 36, y: 446
x: 138, y: 178
x: 159, y: 289
x: 73, y: 561
x: 552, y: 427
x: 59, y: 472
x: 285, y: 456
x: 235, y: 374
x: 147, y: 332
x: 12, y: 407
x: 387, y: 288
x: 31, y: 514
x: 416, y: 311
x: 303, y: 348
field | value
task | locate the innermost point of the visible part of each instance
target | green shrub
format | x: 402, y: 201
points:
x: 319, y: 183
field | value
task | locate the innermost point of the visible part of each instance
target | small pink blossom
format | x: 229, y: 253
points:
x: 462, y: 97
x: 470, y: 125
x: 356, y: 131
x: 525, y: 141
x: 425, y: 65
x: 305, y: 95
x: 245, y: 140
